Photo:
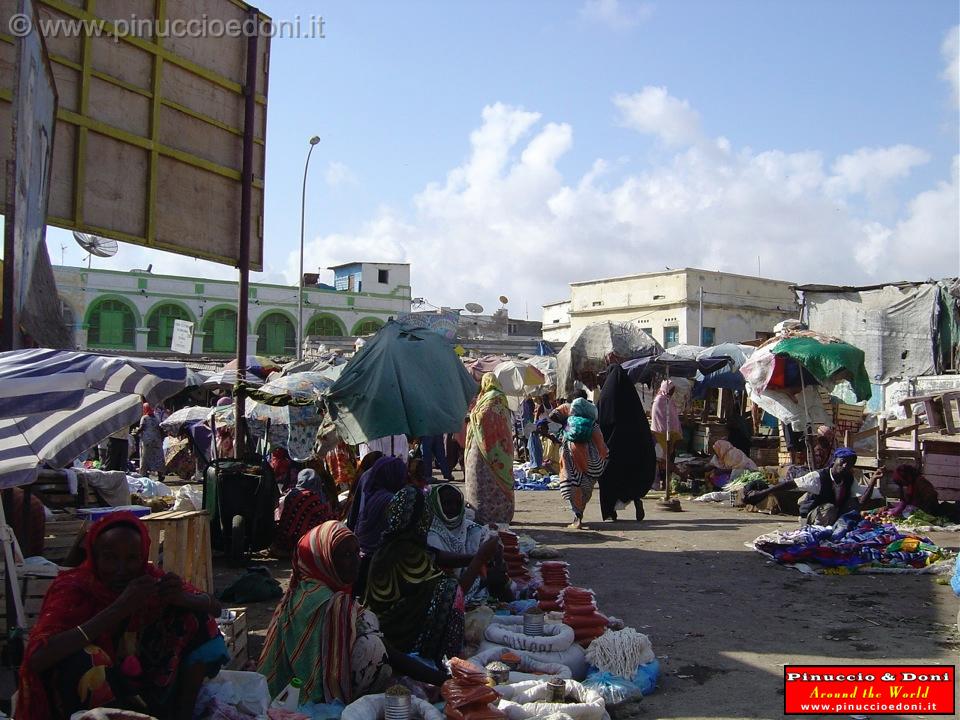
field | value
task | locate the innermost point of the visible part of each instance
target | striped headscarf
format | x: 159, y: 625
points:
x: 313, y: 630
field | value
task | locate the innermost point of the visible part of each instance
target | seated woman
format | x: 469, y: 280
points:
x: 304, y: 507
x: 456, y: 540
x: 368, y: 511
x: 375, y: 490
x: 117, y: 632
x: 319, y: 633
x: 420, y: 607
x: 917, y: 493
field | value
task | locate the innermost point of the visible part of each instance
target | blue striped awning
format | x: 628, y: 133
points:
x: 43, y: 381
x: 57, y: 419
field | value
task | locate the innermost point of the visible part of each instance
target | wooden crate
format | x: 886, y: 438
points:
x: 180, y: 543
x: 60, y: 537
x: 941, y: 466
x: 33, y: 589
x: 235, y: 635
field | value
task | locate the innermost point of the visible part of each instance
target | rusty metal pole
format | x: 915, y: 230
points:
x: 246, y: 207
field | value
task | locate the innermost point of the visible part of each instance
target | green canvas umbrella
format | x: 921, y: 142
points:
x: 405, y: 381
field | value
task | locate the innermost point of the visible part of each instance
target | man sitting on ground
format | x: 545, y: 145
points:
x: 830, y: 492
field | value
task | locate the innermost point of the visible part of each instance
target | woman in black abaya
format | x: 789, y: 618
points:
x: 632, y: 464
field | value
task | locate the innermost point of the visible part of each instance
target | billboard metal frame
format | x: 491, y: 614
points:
x: 152, y: 144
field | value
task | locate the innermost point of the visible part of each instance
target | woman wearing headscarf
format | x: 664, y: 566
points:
x: 456, y: 540
x: 665, y: 420
x: 303, y: 508
x: 489, y: 465
x: 583, y: 458
x: 118, y: 630
x: 151, y: 443
x: 632, y: 464
x: 319, y: 633
x: 420, y: 608
x: 375, y: 490
x: 916, y: 493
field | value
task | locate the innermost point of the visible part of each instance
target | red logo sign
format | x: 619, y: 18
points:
x: 869, y: 689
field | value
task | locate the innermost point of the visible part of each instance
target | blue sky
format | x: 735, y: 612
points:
x: 505, y: 147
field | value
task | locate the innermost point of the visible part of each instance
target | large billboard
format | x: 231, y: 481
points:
x: 150, y: 126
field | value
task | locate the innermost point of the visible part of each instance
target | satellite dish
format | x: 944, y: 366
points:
x: 504, y: 300
x: 101, y: 247
x: 474, y: 307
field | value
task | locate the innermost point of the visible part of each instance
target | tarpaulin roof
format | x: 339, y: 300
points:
x: 405, y: 381
x: 896, y: 325
x: 643, y: 369
x: 829, y: 361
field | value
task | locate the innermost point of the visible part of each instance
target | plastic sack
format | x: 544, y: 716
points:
x: 529, y: 667
x: 955, y: 580
x: 188, y: 498
x: 246, y: 691
x: 475, y: 624
x: 370, y: 707
x: 573, y: 657
x: 614, y: 689
x: 532, y: 700
x: 555, y: 638
x: 646, y: 677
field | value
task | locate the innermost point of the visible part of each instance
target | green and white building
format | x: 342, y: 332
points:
x: 135, y: 311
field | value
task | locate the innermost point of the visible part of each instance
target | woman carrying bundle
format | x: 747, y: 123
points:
x: 583, y: 458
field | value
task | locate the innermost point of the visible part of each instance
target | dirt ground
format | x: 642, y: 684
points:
x: 723, y: 620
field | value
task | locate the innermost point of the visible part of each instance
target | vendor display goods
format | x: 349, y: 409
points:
x: 580, y: 612
x: 516, y: 569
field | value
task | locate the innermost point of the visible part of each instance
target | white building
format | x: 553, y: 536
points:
x: 135, y: 310
x: 556, y: 321
x: 667, y: 306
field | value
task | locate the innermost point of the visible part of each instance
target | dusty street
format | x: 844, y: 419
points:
x: 721, y: 617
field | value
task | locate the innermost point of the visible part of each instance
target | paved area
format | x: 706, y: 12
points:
x: 722, y: 618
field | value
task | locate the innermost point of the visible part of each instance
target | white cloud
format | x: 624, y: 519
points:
x: 950, y: 49
x: 338, y: 174
x: 507, y: 221
x: 655, y: 112
x: 870, y: 170
x: 616, y: 14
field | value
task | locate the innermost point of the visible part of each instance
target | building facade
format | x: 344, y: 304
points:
x: 556, y: 321
x: 667, y: 306
x: 135, y: 311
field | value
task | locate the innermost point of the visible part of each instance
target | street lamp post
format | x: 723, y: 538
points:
x: 303, y: 205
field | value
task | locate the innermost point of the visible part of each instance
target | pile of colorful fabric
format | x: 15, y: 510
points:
x: 853, y: 543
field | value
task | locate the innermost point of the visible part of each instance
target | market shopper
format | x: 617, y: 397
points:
x: 489, y: 455
x: 632, y: 463
x: 118, y: 630
x: 151, y: 444
x: 665, y: 422
x: 830, y: 492
x: 583, y: 458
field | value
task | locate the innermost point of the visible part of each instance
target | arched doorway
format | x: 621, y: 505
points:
x: 276, y: 335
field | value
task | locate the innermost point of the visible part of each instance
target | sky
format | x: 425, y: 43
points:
x: 508, y: 148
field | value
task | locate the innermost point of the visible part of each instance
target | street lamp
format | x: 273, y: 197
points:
x: 303, y: 204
